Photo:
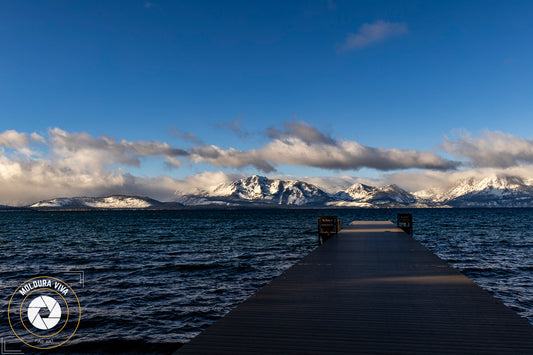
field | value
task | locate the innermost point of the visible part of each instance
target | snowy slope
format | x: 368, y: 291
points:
x: 371, y: 195
x: 264, y: 191
x: 492, y: 191
x: 110, y: 202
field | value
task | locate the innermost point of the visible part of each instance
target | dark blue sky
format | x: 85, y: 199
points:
x: 384, y: 74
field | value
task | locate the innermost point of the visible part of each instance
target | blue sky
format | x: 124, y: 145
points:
x: 254, y: 76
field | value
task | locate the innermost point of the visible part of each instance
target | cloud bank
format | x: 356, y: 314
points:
x: 37, y: 166
x: 300, y: 144
x: 491, y: 149
x: 33, y: 167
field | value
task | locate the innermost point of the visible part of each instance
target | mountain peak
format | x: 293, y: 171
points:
x: 490, y: 191
x: 263, y: 190
x: 358, y: 191
x: 377, y: 195
x: 493, y: 182
x: 254, y: 179
x: 500, y: 182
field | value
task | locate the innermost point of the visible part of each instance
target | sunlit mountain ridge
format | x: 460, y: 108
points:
x: 260, y: 191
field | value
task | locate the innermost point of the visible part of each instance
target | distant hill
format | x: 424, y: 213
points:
x: 110, y: 202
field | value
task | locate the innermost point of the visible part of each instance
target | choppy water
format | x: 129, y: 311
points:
x: 153, y: 279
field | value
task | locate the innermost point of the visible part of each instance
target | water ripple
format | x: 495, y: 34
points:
x: 154, y: 279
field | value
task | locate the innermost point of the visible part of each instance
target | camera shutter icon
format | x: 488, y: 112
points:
x: 44, y: 303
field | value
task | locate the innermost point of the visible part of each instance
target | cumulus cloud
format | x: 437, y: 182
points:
x: 230, y: 158
x: 491, y: 149
x: 303, y: 145
x: 302, y: 131
x: 370, y: 33
x: 21, y: 142
x: 350, y: 155
x: 13, y: 139
x: 84, y: 150
x: 23, y: 181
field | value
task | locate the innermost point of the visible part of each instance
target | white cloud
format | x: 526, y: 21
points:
x: 302, y: 131
x: 21, y: 142
x: 24, y: 181
x: 84, y: 150
x: 13, y: 139
x: 370, y: 33
x: 232, y: 158
x: 491, y: 149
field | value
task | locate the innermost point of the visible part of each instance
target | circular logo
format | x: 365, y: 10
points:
x: 44, y: 312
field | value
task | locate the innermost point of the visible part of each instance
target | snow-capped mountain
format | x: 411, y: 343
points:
x: 492, y: 191
x: 262, y: 190
x: 384, y: 195
x: 109, y: 202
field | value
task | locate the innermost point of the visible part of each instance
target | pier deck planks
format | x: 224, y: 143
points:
x: 371, y: 290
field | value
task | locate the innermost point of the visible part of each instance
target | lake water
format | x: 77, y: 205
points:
x: 154, y: 279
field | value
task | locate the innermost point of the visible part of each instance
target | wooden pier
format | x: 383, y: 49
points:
x: 372, y: 289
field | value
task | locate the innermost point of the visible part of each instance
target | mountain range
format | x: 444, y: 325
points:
x: 260, y: 191
x: 492, y: 191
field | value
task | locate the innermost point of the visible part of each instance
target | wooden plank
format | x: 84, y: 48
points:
x: 372, y: 290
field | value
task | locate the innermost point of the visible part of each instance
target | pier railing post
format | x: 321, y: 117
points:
x: 328, y: 226
x: 405, y: 222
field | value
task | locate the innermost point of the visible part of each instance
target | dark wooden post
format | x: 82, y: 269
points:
x: 405, y: 222
x: 327, y: 226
